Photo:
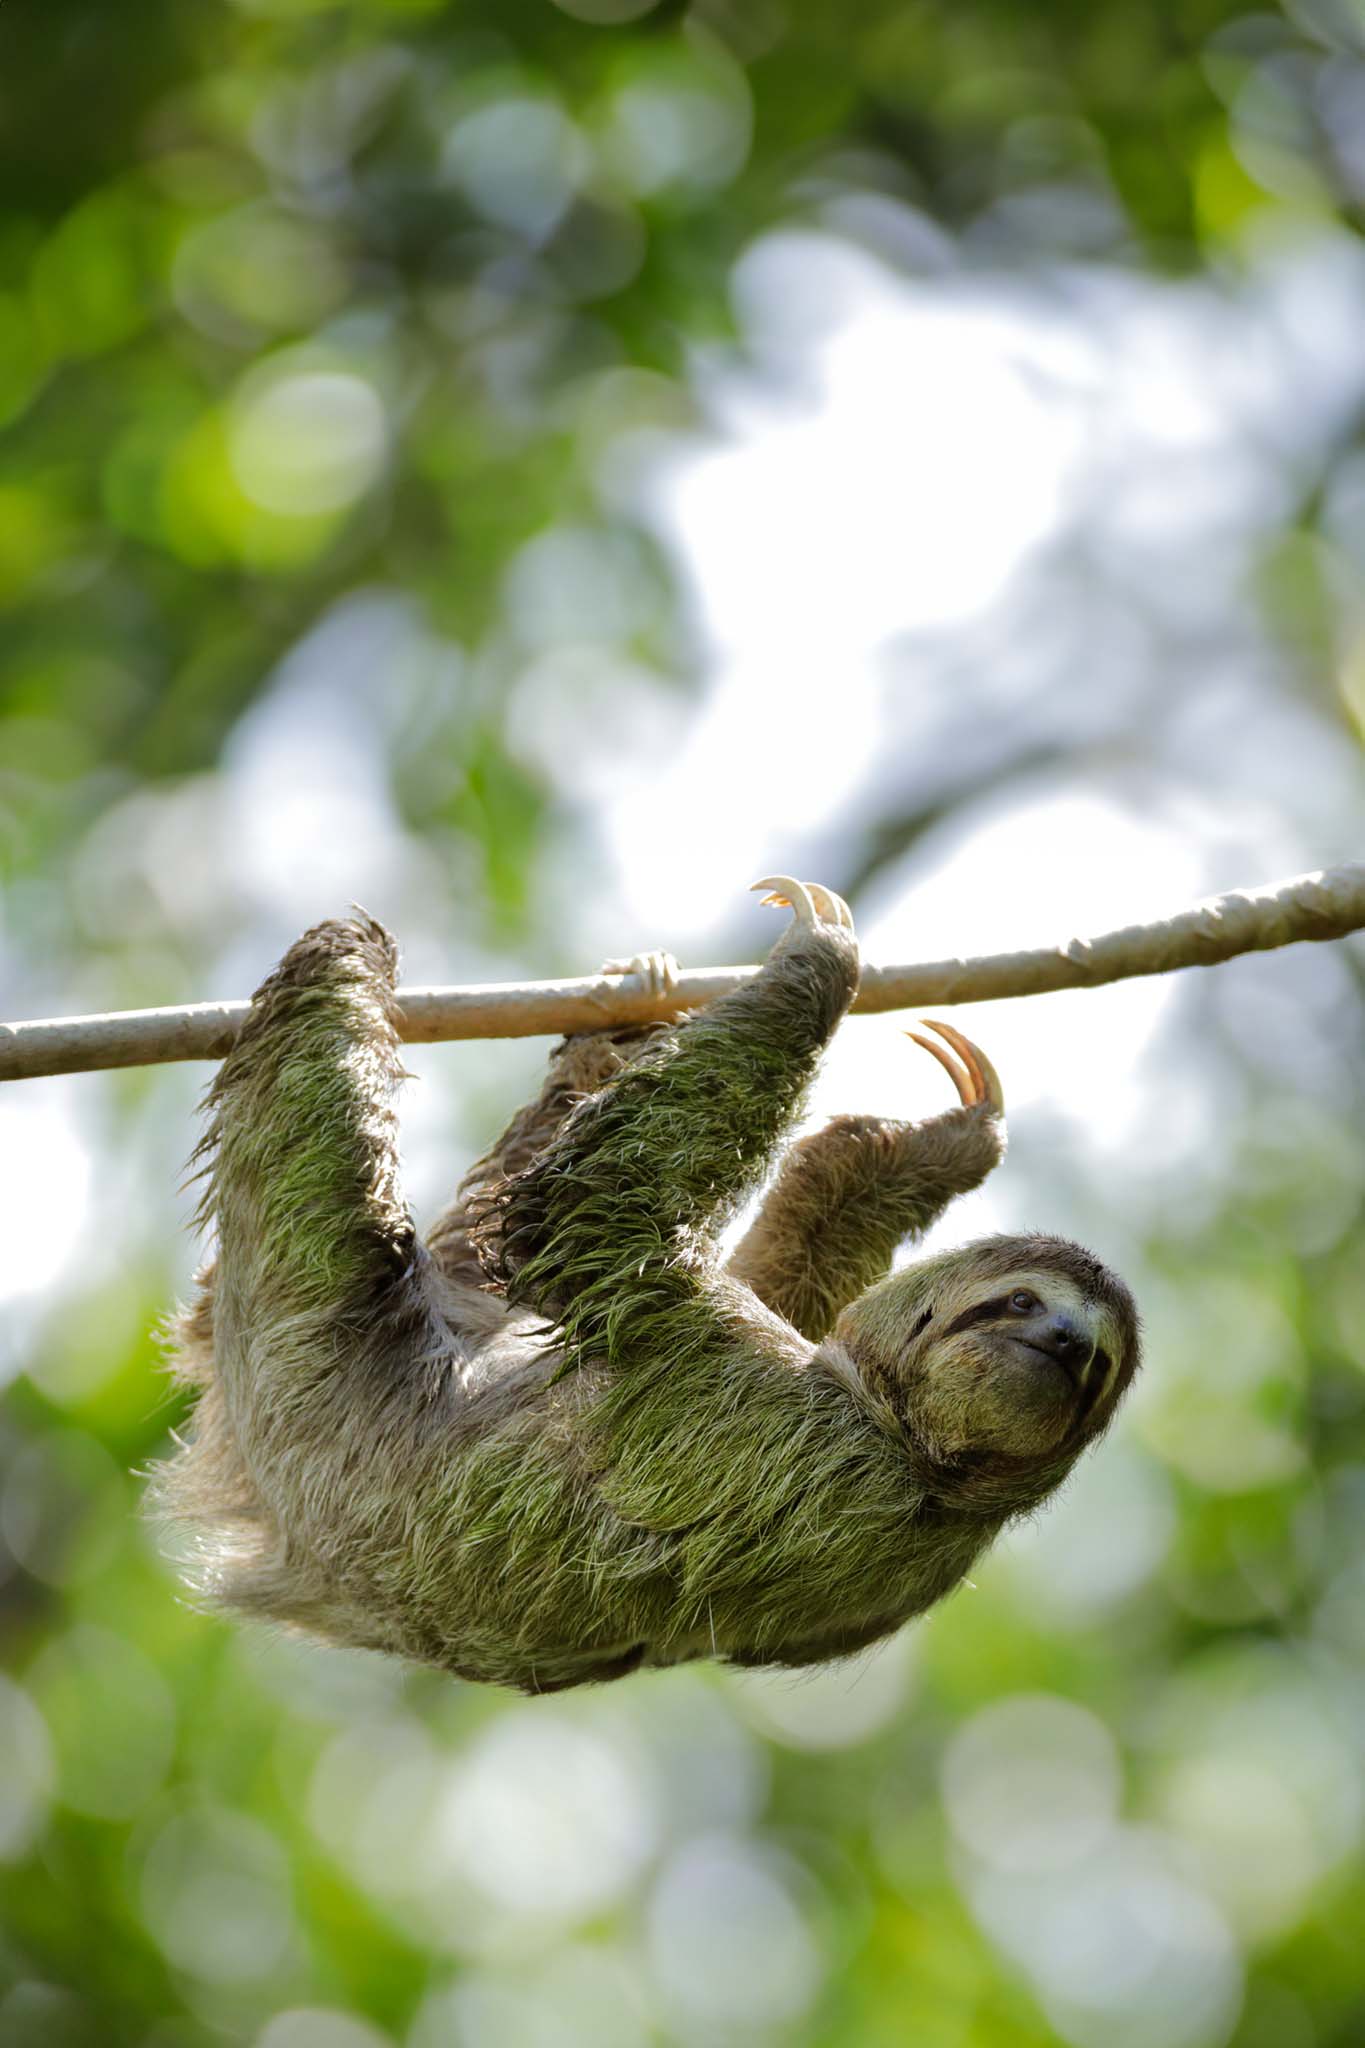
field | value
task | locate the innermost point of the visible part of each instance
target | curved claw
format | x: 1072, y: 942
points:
x: 788, y: 892
x: 988, y: 1084
x: 975, y: 1079
x: 831, y: 907
x: 960, y: 1080
x: 810, y: 902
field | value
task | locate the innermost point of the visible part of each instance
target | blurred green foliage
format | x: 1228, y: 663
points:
x: 307, y: 306
x: 480, y: 212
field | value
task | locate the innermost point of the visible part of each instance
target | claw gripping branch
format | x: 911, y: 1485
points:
x: 1329, y: 903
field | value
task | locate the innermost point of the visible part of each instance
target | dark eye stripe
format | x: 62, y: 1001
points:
x: 984, y: 1312
x: 1095, y: 1381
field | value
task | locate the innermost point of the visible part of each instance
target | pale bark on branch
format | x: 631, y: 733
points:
x: 1327, y: 904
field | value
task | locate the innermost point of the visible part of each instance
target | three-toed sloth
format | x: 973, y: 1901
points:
x: 561, y: 1439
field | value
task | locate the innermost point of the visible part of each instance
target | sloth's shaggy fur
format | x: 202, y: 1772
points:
x: 558, y: 1441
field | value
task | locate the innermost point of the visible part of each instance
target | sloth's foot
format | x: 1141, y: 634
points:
x: 658, y: 972
x: 810, y: 902
x: 972, y: 1074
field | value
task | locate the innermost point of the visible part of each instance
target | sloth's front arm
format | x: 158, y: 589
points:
x: 610, y: 1230
x: 844, y: 1198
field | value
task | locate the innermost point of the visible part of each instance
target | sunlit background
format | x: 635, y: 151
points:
x: 531, y: 468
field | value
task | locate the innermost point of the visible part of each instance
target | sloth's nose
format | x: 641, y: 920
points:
x: 1066, y: 1340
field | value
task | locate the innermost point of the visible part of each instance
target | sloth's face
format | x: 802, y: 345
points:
x: 1018, y: 1368
x: 988, y: 1350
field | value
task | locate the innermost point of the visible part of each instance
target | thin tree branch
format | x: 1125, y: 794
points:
x: 1324, y: 905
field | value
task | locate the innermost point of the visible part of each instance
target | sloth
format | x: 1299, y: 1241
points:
x: 565, y: 1438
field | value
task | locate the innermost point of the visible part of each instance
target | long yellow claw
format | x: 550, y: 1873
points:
x: 975, y: 1079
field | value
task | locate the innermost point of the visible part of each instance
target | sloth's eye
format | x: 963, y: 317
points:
x: 1022, y: 1303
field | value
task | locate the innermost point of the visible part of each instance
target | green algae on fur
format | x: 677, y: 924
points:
x: 560, y: 1440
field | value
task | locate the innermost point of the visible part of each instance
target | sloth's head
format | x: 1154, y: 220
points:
x: 998, y: 1363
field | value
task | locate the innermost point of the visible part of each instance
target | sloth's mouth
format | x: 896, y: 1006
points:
x: 1072, y: 1367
